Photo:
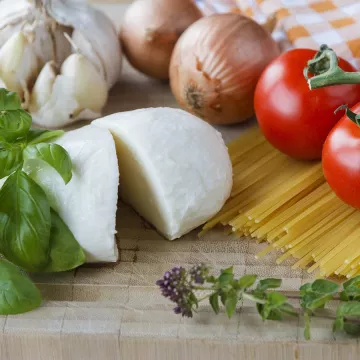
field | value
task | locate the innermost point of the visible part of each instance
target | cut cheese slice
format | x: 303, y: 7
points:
x: 88, y: 203
x: 175, y: 168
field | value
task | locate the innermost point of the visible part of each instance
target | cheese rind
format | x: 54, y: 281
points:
x: 176, y: 170
x: 88, y: 203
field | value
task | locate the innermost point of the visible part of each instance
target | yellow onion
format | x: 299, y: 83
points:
x: 150, y: 31
x: 216, y: 64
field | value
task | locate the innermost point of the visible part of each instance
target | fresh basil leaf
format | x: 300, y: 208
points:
x: 53, y: 154
x: 230, y: 303
x: 10, y: 158
x: 65, y: 252
x: 17, y: 293
x: 214, y: 302
x: 269, y: 284
x: 25, y: 222
x: 36, y: 136
x: 14, y: 121
x: 247, y: 280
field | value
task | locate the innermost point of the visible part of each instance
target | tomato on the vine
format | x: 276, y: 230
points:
x: 341, y: 160
x: 293, y: 118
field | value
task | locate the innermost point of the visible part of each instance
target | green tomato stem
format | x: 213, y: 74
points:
x: 327, y: 71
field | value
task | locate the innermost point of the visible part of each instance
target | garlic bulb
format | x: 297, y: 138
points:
x: 78, y: 92
x: 34, y: 44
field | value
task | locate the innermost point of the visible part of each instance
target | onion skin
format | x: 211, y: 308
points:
x: 216, y: 65
x: 150, y: 31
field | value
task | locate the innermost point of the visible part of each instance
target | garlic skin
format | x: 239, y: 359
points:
x: 77, y: 93
x: 47, y: 36
x: 102, y: 37
x: 33, y: 46
x: 19, y: 65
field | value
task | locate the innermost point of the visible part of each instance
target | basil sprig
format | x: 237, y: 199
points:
x: 32, y: 235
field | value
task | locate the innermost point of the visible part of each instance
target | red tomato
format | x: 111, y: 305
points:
x: 293, y: 118
x: 341, y: 160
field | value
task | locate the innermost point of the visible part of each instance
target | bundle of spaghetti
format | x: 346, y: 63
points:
x: 288, y: 204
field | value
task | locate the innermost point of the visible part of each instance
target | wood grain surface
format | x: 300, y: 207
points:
x: 116, y: 312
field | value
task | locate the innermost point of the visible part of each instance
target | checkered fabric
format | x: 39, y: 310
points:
x: 306, y: 23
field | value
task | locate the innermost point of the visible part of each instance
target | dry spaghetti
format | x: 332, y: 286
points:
x: 289, y: 204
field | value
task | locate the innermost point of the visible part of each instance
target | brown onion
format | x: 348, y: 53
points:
x: 150, y: 31
x: 216, y: 64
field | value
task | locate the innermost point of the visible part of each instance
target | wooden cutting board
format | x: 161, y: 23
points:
x: 116, y: 312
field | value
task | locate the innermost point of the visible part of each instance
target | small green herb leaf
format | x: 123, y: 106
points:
x: 10, y: 158
x: 288, y: 309
x: 351, y: 308
x: 226, y: 277
x: 254, y: 298
x: 324, y: 287
x: 53, y: 154
x: 317, y: 294
x: 214, y: 302
x: 351, y: 289
x: 36, y: 136
x: 276, y: 299
x: 269, y: 284
x: 14, y: 121
x: 230, y: 303
x: 247, y: 280
x: 17, y: 293
x: 65, y: 252
x: 25, y: 222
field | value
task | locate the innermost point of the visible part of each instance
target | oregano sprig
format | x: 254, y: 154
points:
x: 181, y: 286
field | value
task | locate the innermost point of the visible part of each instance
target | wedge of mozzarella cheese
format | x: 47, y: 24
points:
x: 88, y: 203
x: 175, y: 168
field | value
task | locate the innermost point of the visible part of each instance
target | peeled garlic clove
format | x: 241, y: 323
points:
x: 43, y: 87
x: 59, y: 110
x: 90, y: 88
x: 77, y: 93
x: 19, y: 65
